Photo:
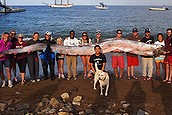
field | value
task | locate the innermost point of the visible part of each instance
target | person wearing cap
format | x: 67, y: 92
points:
x: 32, y: 58
x: 168, y: 59
x: 5, y: 44
x: 118, y: 58
x: 147, y: 61
x: 132, y: 59
x: 21, y: 58
x: 48, y: 57
x: 84, y: 41
x: 13, y: 39
x: 71, y: 60
x: 98, y: 39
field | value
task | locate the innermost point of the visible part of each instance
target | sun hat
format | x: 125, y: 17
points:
x: 48, y: 33
x: 98, y: 32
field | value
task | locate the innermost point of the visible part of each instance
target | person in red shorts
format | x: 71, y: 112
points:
x: 118, y: 57
x: 168, y: 60
x: 132, y: 59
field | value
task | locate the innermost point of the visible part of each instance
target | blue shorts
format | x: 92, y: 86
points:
x: 6, y: 63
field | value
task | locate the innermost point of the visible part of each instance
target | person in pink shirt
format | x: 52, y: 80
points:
x: 4, y: 59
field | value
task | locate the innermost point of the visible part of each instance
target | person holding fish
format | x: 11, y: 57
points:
x: 71, y: 60
x: 5, y: 44
x: 118, y: 58
x: 132, y: 59
x: 60, y: 60
x: 85, y: 41
x: 147, y: 61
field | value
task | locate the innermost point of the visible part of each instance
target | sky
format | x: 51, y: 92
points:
x: 93, y: 2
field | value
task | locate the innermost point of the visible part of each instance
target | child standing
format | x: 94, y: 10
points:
x: 60, y: 60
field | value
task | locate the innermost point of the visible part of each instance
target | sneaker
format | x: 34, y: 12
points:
x: 33, y: 81
x: 62, y: 75
x: 134, y: 77
x: 15, y: 79
x: 68, y: 78
x: 149, y: 79
x: 59, y: 76
x: 128, y: 77
x: 38, y: 80
x: 3, y: 83
x: 10, y: 85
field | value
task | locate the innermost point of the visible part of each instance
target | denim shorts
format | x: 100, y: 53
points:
x: 6, y: 63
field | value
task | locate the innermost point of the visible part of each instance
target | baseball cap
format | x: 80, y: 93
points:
x: 20, y: 36
x: 48, y: 33
x: 84, y: 34
x: 119, y: 31
x: 98, y: 32
x: 135, y: 30
x: 147, y: 30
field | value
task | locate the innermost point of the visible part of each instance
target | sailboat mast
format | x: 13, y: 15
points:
x: 5, y: 5
x: 61, y: 2
x: 55, y: 2
x: 67, y: 1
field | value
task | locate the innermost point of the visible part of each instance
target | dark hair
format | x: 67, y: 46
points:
x: 159, y: 34
x: 35, y: 33
x: 72, y: 31
x: 6, y: 33
x: 97, y: 46
x: 85, y: 33
x: 169, y: 29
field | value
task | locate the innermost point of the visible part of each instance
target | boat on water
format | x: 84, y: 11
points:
x: 8, y: 9
x: 102, y: 6
x: 159, y: 9
x: 61, y: 5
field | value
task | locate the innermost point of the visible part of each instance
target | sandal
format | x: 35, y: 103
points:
x: 165, y: 80
x: 129, y: 78
x: 169, y: 82
x: 134, y: 77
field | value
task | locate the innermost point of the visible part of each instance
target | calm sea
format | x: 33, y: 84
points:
x: 86, y: 18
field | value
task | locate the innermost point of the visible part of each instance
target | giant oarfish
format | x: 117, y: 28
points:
x: 107, y: 45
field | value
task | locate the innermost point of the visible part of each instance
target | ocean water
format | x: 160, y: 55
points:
x: 86, y: 18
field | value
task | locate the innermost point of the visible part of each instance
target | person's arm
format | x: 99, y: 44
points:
x: 92, y: 68
x: 103, y: 67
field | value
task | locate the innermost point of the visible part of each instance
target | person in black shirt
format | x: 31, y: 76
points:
x: 13, y: 39
x: 99, y: 58
x: 147, y: 61
x: 32, y: 58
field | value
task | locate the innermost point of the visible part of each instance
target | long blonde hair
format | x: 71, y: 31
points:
x: 60, y: 41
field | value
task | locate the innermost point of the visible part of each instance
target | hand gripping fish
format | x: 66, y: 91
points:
x: 107, y: 45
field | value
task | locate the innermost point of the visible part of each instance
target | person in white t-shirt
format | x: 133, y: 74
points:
x: 71, y: 60
x: 160, y: 59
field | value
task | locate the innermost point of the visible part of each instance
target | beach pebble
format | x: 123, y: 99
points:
x: 45, y: 96
x: 126, y: 105
x: 45, y: 100
x: 89, y: 111
x: 65, y: 96
x: 63, y: 113
x: 122, y: 102
x: 117, y: 114
x: 52, y: 111
x: 3, y: 106
x: 108, y: 111
x: 77, y: 100
x: 125, y: 114
x: 142, y: 112
x: 54, y: 102
x: 81, y: 113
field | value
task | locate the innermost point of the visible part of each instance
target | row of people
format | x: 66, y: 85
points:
x: 48, y: 57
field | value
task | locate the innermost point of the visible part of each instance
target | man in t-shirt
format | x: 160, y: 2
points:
x: 132, y: 59
x: 99, y: 58
x: 147, y: 61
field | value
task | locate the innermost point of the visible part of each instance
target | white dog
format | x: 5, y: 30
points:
x: 103, y: 79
